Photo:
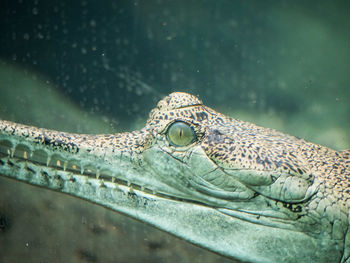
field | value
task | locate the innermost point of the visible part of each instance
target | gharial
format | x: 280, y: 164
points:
x: 244, y: 191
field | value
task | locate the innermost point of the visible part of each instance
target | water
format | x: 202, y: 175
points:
x: 100, y: 67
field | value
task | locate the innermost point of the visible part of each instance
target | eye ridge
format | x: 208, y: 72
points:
x: 180, y: 133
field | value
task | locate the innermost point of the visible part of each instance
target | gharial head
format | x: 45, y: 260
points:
x: 271, y: 189
x: 216, y: 159
x: 257, y: 174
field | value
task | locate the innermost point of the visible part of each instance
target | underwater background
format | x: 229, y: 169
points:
x: 100, y: 67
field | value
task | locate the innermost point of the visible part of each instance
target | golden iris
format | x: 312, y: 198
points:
x: 180, y: 134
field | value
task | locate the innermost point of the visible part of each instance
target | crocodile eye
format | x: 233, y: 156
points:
x: 180, y: 134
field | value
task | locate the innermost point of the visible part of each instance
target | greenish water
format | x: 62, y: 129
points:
x: 100, y: 67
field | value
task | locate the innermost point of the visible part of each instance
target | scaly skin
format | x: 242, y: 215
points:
x: 244, y: 191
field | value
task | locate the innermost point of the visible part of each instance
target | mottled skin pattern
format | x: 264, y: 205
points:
x: 276, y: 180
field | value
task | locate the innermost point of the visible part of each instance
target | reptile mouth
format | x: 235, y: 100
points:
x: 53, y: 167
x: 54, y: 170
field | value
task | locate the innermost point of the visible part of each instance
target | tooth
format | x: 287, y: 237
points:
x: 98, y: 174
x: 20, y: 151
x: 56, y: 160
x: 74, y: 165
x: 48, y: 160
x: 65, y: 166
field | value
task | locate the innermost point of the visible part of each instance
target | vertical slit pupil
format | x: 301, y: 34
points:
x: 180, y: 134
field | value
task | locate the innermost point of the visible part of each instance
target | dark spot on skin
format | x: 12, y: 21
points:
x: 132, y: 194
x: 263, y: 162
x: 58, y: 144
x: 291, y: 154
x: 290, y: 167
x: 217, y: 132
x: 292, y: 207
x: 219, y: 120
x: 258, y: 160
x: 192, y: 116
x: 297, y: 209
x: 232, y: 148
x: 215, y: 137
x: 278, y: 164
x: 201, y: 116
